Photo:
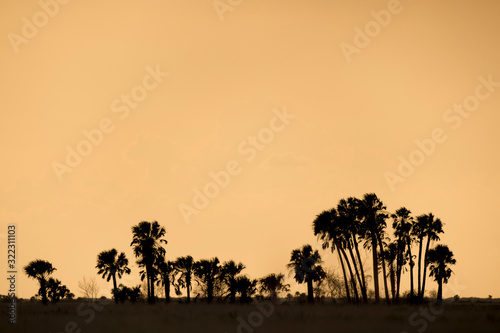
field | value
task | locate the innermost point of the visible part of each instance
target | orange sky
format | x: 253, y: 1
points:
x: 354, y: 116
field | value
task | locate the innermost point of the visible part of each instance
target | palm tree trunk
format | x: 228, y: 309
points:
x: 440, y: 291
x: 426, y: 263
x: 399, y: 268
x: 310, y: 292
x: 348, y: 294
x: 412, y: 264
x: 392, y: 274
x: 115, y: 289
x: 363, y: 284
x: 375, y: 269
x: 148, y: 282
x: 353, y: 278
x: 356, y: 269
x: 188, y: 287
x: 43, y: 290
x: 419, y: 265
x: 152, y: 289
x: 167, y: 289
x: 386, y: 289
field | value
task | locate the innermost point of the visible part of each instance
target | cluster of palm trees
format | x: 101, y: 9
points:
x: 363, y: 222
x: 214, y: 279
x: 50, y: 289
x: 349, y: 228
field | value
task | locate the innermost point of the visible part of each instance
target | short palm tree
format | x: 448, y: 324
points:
x: 246, y: 288
x: 207, y: 272
x: 305, y: 266
x: 166, y: 270
x: 184, y: 268
x: 439, y: 259
x: 229, y: 273
x: 273, y: 284
x: 110, y: 265
x: 40, y: 270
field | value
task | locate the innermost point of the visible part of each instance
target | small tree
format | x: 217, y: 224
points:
x: 57, y: 291
x: 89, y: 288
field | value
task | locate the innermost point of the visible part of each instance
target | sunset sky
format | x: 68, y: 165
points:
x: 302, y: 107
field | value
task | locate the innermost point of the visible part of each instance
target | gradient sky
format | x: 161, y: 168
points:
x: 353, y: 120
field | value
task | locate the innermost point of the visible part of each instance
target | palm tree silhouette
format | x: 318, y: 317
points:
x: 246, y: 288
x: 327, y: 228
x: 147, y: 244
x: 185, y: 267
x: 57, y: 291
x: 371, y: 211
x: 40, y: 270
x: 434, y: 228
x: 305, y: 265
x: 230, y: 270
x: 425, y: 226
x: 349, y: 214
x: 166, y: 270
x: 439, y: 258
x: 273, y: 284
x: 207, y: 272
x: 402, y: 225
x: 390, y: 255
x: 111, y: 265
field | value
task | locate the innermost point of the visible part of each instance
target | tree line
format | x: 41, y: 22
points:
x: 352, y: 224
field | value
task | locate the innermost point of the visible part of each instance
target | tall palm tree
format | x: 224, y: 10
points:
x: 349, y: 213
x: 273, y: 284
x: 327, y: 228
x: 229, y: 274
x: 166, y: 270
x: 147, y: 244
x: 111, y: 265
x: 40, y: 270
x: 207, y: 272
x: 305, y: 264
x: 402, y: 225
x: 439, y: 258
x: 371, y: 211
x: 434, y: 227
x: 185, y: 266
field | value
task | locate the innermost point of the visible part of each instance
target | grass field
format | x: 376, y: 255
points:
x: 78, y: 317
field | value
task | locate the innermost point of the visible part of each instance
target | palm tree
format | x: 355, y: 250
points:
x: 371, y: 211
x: 147, y: 244
x: 57, y: 291
x: 425, y: 227
x: 185, y: 266
x: 166, y: 270
x: 207, y: 272
x: 402, y: 225
x: 246, y: 288
x: 111, y: 265
x: 305, y: 265
x: 229, y: 273
x: 390, y: 256
x: 273, y: 284
x: 439, y: 258
x: 327, y: 228
x: 348, y: 211
x: 40, y: 270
